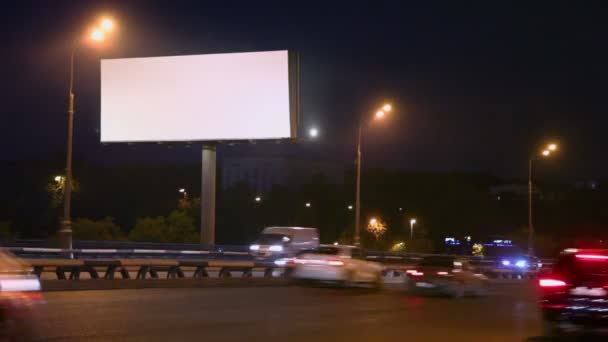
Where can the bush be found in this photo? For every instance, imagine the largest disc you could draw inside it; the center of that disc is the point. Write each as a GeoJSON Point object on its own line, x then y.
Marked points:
{"type": "Point", "coordinates": [177, 227]}
{"type": "Point", "coordinates": [88, 229]}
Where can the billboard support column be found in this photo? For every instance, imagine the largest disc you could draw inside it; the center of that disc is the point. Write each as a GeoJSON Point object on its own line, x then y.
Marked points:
{"type": "Point", "coordinates": [208, 195]}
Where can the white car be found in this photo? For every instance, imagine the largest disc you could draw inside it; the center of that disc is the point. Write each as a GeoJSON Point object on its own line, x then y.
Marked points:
{"type": "Point", "coordinates": [338, 264]}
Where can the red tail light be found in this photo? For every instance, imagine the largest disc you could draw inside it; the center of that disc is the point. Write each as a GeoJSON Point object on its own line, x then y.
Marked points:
{"type": "Point", "coordinates": [551, 283]}
{"type": "Point", "coordinates": [443, 273]}
{"type": "Point", "coordinates": [591, 257]}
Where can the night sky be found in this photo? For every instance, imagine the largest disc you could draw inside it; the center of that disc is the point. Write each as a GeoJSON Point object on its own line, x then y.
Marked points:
{"type": "Point", "coordinates": [476, 87]}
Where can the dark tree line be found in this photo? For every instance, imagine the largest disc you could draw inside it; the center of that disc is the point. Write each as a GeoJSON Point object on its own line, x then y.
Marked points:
{"type": "Point", "coordinates": [142, 203]}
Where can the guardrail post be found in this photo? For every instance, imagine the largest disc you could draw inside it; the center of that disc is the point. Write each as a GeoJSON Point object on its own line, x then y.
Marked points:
{"type": "Point", "coordinates": [75, 273]}
{"type": "Point", "coordinates": [141, 273]}
{"type": "Point", "coordinates": [92, 272]}
{"type": "Point", "coordinates": [124, 273]}
{"type": "Point", "coordinates": [225, 273]}
{"type": "Point", "coordinates": [38, 271]}
{"type": "Point", "coordinates": [200, 272]}
{"type": "Point", "coordinates": [110, 272]}
{"type": "Point", "coordinates": [60, 273]}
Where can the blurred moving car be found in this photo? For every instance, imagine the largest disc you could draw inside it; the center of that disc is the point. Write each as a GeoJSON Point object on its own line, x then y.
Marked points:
{"type": "Point", "coordinates": [283, 242]}
{"type": "Point", "coordinates": [522, 263]}
{"type": "Point", "coordinates": [19, 294]}
{"type": "Point", "coordinates": [574, 294]}
{"type": "Point", "coordinates": [446, 275]}
{"type": "Point", "coordinates": [338, 264]}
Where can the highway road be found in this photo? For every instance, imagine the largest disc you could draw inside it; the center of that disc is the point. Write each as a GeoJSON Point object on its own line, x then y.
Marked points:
{"type": "Point", "coordinates": [287, 313]}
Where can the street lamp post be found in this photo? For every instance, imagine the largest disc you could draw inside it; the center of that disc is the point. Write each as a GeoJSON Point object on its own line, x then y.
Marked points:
{"type": "Point", "coordinates": [545, 153]}
{"type": "Point", "coordinates": [379, 115]}
{"type": "Point", "coordinates": [412, 223]}
{"type": "Point", "coordinates": [65, 232]}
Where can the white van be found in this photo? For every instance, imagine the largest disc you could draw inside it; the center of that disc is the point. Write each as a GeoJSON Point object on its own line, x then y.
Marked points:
{"type": "Point", "coordinates": [280, 242]}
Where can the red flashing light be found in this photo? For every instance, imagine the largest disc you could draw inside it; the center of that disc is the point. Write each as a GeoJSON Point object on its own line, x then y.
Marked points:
{"type": "Point", "coordinates": [551, 283]}
{"type": "Point", "coordinates": [591, 257]}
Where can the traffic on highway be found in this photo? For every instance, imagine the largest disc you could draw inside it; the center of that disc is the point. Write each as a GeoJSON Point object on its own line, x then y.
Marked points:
{"type": "Point", "coordinates": [568, 300]}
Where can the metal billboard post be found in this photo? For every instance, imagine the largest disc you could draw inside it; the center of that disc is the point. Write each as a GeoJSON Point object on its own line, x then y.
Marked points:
{"type": "Point", "coordinates": [208, 176]}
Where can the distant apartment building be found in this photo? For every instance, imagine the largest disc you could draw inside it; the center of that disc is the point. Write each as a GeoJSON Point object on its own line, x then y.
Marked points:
{"type": "Point", "coordinates": [263, 173]}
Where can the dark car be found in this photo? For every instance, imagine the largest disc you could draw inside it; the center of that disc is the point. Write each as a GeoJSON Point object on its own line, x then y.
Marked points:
{"type": "Point", "coordinates": [574, 295]}
{"type": "Point", "coordinates": [445, 275]}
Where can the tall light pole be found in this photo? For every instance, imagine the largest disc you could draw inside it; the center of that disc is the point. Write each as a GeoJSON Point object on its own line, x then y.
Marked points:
{"type": "Point", "coordinates": [545, 153]}
{"type": "Point", "coordinates": [183, 192]}
{"type": "Point", "coordinates": [378, 116]}
{"type": "Point", "coordinates": [412, 223]}
{"type": "Point", "coordinates": [65, 233]}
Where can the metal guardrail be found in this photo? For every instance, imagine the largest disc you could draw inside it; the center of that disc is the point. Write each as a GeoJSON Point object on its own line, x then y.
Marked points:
{"type": "Point", "coordinates": [96, 259]}
{"type": "Point", "coordinates": [148, 265]}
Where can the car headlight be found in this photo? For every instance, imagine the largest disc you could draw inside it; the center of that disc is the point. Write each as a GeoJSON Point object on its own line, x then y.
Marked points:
{"type": "Point", "coordinates": [13, 285]}
{"type": "Point", "coordinates": [521, 263]}
{"type": "Point", "coordinates": [254, 247]}
{"type": "Point", "coordinates": [276, 248]}
{"type": "Point", "coordinates": [506, 263]}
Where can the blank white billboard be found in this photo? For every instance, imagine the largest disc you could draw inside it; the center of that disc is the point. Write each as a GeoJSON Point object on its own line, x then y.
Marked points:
{"type": "Point", "coordinates": [234, 96]}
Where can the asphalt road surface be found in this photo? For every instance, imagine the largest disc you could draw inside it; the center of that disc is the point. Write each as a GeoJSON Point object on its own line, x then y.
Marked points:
{"type": "Point", "coordinates": [291, 313]}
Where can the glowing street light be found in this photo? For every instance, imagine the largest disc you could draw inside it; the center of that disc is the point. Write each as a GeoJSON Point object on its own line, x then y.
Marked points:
{"type": "Point", "coordinates": [107, 24]}
{"type": "Point", "coordinates": [58, 179]}
{"type": "Point", "coordinates": [97, 35]}
{"type": "Point", "coordinates": [373, 221]}
{"type": "Point", "coordinates": [379, 115]}
{"type": "Point", "coordinates": [313, 132]}
{"type": "Point", "coordinates": [412, 223]}
{"type": "Point", "coordinates": [552, 147]}
{"type": "Point", "coordinates": [183, 192]}
{"type": "Point", "coordinates": [65, 233]}
{"type": "Point", "coordinates": [307, 204]}
{"type": "Point", "coordinates": [258, 199]}
{"type": "Point", "coordinates": [350, 207]}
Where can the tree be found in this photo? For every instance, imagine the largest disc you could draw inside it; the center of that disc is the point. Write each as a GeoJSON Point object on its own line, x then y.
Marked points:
{"type": "Point", "coordinates": [148, 229]}
{"type": "Point", "coordinates": [177, 227]}
{"type": "Point", "coordinates": [104, 229]}
{"type": "Point", "coordinates": [376, 227]}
